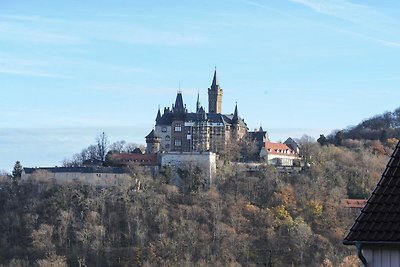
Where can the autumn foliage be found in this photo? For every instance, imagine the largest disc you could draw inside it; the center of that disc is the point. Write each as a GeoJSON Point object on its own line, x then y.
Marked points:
{"type": "Point", "coordinates": [245, 219]}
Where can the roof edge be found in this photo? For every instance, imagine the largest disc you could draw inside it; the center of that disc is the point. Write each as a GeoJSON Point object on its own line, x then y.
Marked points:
{"type": "Point", "coordinates": [347, 242]}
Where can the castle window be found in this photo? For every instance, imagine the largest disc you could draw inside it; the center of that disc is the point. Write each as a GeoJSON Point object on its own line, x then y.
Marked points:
{"type": "Point", "coordinates": [167, 138]}
{"type": "Point", "coordinates": [178, 142]}
{"type": "Point", "coordinates": [164, 129]}
{"type": "Point", "coordinates": [178, 127]}
{"type": "Point", "coordinates": [167, 146]}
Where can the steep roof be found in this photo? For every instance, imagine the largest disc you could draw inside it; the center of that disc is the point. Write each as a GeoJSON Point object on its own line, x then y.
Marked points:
{"type": "Point", "coordinates": [278, 149]}
{"type": "Point", "coordinates": [215, 80]}
{"type": "Point", "coordinates": [158, 118]}
{"type": "Point", "coordinates": [259, 136]}
{"type": "Point", "coordinates": [152, 135]}
{"type": "Point", "coordinates": [379, 221]}
{"type": "Point", "coordinates": [143, 159]}
{"type": "Point", "coordinates": [179, 107]}
{"type": "Point", "coordinates": [235, 118]}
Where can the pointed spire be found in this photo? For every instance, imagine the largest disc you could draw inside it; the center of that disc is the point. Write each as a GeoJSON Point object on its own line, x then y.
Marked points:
{"type": "Point", "coordinates": [198, 101]}
{"type": "Point", "coordinates": [215, 79]}
{"type": "Point", "coordinates": [261, 129]}
{"type": "Point", "coordinates": [158, 118]}
{"type": "Point", "coordinates": [235, 118]}
{"type": "Point", "coordinates": [179, 107]}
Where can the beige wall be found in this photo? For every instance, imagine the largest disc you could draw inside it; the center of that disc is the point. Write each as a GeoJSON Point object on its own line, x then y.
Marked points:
{"type": "Point", "coordinates": [205, 160]}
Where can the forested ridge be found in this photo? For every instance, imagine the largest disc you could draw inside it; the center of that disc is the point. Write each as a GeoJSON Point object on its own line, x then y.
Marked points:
{"type": "Point", "coordinates": [384, 127]}
{"type": "Point", "coordinates": [245, 219]}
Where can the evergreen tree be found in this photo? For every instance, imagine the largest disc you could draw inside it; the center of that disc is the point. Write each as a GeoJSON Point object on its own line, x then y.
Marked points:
{"type": "Point", "coordinates": [17, 171]}
{"type": "Point", "coordinates": [322, 140]}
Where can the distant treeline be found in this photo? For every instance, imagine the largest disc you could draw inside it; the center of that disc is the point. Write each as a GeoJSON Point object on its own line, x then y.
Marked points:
{"type": "Point", "coordinates": [384, 129]}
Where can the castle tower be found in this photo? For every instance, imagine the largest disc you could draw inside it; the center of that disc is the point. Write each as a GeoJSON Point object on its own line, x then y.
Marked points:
{"type": "Point", "coordinates": [215, 96]}
{"type": "Point", "coordinates": [153, 142]}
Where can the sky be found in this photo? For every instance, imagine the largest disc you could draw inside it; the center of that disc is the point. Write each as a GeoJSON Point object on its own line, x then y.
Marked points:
{"type": "Point", "coordinates": [70, 70]}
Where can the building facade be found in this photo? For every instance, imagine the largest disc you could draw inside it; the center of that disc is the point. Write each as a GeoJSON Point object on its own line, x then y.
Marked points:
{"type": "Point", "coordinates": [99, 176]}
{"type": "Point", "coordinates": [206, 161]}
{"type": "Point", "coordinates": [183, 131]}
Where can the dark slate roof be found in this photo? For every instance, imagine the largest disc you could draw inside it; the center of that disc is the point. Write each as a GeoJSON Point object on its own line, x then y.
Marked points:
{"type": "Point", "coordinates": [158, 115]}
{"type": "Point", "coordinates": [170, 115]}
{"type": "Point", "coordinates": [179, 107]}
{"type": "Point", "coordinates": [228, 119]}
{"type": "Point", "coordinates": [152, 135]}
{"type": "Point", "coordinates": [379, 221]}
{"type": "Point", "coordinates": [215, 80]}
{"type": "Point", "coordinates": [92, 162]}
{"type": "Point", "coordinates": [196, 117]}
{"type": "Point", "coordinates": [79, 169]}
{"type": "Point", "coordinates": [150, 159]}
{"type": "Point", "coordinates": [138, 150]}
{"type": "Point", "coordinates": [259, 136]}
{"type": "Point", "coordinates": [166, 118]}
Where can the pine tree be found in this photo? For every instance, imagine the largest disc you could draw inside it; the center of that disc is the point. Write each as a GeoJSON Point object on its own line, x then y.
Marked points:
{"type": "Point", "coordinates": [17, 171]}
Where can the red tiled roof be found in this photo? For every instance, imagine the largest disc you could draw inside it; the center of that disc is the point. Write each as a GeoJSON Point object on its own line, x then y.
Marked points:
{"type": "Point", "coordinates": [353, 203]}
{"type": "Point", "coordinates": [278, 149]}
{"type": "Point", "coordinates": [379, 220]}
{"type": "Point", "coordinates": [143, 159]}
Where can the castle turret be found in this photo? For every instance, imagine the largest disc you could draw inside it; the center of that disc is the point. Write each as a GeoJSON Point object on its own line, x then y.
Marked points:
{"type": "Point", "coordinates": [153, 142]}
{"type": "Point", "coordinates": [158, 118]}
{"type": "Point", "coordinates": [235, 118]}
{"type": "Point", "coordinates": [179, 107]}
{"type": "Point", "coordinates": [215, 96]}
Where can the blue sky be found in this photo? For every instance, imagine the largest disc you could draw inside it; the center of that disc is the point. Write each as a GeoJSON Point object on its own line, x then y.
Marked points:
{"type": "Point", "coordinates": [72, 69]}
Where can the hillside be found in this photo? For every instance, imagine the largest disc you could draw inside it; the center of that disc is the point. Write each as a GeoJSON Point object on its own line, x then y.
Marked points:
{"type": "Point", "coordinates": [244, 220]}
{"type": "Point", "coordinates": [382, 127]}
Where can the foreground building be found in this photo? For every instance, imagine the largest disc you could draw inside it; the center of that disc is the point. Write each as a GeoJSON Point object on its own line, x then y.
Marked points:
{"type": "Point", "coordinates": [376, 231]}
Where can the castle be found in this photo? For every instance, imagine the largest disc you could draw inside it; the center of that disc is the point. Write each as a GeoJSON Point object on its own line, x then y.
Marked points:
{"type": "Point", "coordinates": [179, 130]}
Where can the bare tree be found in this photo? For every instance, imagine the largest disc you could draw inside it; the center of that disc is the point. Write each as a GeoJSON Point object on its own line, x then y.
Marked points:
{"type": "Point", "coordinates": [118, 146]}
{"type": "Point", "coordinates": [102, 144]}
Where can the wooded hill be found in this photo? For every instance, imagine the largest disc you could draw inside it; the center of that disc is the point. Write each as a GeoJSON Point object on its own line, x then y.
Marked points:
{"type": "Point", "coordinates": [246, 219]}
{"type": "Point", "coordinates": [384, 127]}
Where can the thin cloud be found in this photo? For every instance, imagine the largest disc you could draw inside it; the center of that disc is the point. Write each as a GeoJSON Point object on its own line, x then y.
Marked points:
{"type": "Point", "coordinates": [86, 31]}
{"type": "Point", "coordinates": [132, 89]}
{"type": "Point", "coordinates": [33, 73]}
{"type": "Point", "coordinates": [384, 42]}
{"type": "Point", "coordinates": [355, 13]}
{"type": "Point", "coordinates": [342, 9]}
{"type": "Point", "coordinates": [27, 33]}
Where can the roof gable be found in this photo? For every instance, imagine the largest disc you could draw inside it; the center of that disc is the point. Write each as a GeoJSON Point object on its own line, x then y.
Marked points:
{"type": "Point", "coordinates": [278, 148]}
{"type": "Point", "coordinates": [379, 221]}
